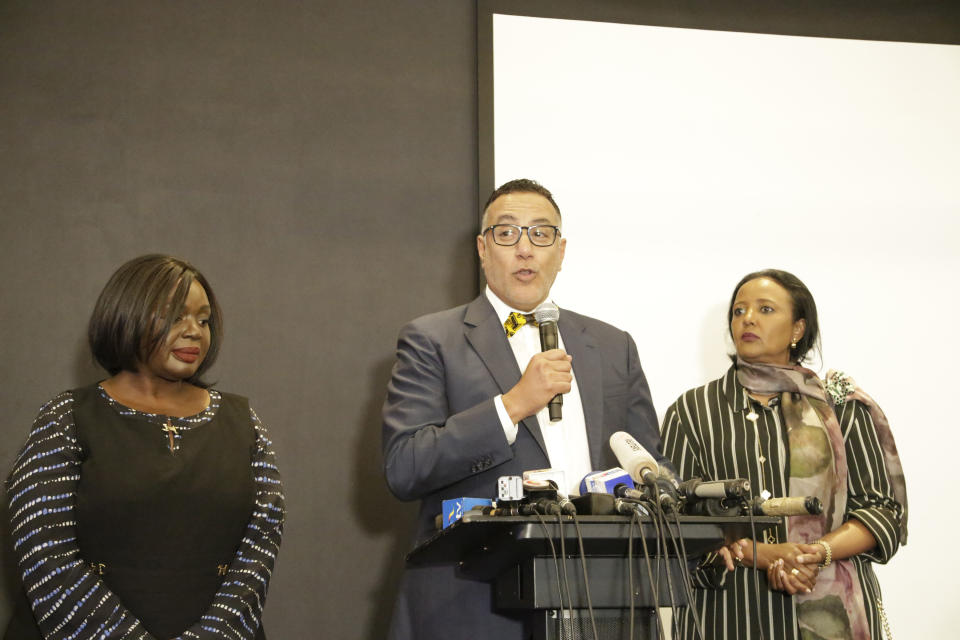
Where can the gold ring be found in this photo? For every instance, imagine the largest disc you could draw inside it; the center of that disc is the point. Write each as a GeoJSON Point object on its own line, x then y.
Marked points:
{"type": "Point", "coordinates": [795, 571]}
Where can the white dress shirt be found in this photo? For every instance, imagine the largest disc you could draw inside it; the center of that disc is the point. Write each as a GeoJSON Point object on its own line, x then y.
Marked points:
{"type": "Point", "coordinates": [565, 439]}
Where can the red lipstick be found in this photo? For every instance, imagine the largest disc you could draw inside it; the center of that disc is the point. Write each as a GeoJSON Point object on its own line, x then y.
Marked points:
{"type": "Point", "coordinates": [187, 354]}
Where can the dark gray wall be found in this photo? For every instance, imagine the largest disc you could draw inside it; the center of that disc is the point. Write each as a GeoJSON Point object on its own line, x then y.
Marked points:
{"type": "Point", "coordinates": [317, 161]}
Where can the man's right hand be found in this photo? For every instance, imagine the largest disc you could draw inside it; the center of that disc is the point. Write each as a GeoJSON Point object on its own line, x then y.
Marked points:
{"type": "Point", "coordinates": [548, 374]}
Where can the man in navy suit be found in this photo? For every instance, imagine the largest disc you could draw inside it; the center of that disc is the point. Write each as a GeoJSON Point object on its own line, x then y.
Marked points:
{"type": "Point", "coordinates": [467, 404]}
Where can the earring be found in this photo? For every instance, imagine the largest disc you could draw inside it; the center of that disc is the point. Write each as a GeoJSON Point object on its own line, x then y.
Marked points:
{"type": "Point", "coordinates": [793, 345]}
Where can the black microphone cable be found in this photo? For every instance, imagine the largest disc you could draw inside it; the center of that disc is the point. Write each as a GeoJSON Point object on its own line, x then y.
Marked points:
{"type": "Point", "coordinates": [586, 580]}
{"type": "Point", "coordinates": [634, 521]}
{"type": "Point", "coordinates": [650, 498]}
{"type": "Point", "coordinates": [688, 587]}
{"type": "Point", "coordinates": [664, 531]}
{"type": "Point", "coordinates": [654, 581]}
{"type": "Point", "coordinates": [556, 564]}
{"type": "Point", "coordinates": [657, 515]}
{"type": "Point", "coordinates": [566, 575]}
{"type": "Point", "coordinates": [756, 571]}
{"type": "Point", "coordinates": [662, 558]}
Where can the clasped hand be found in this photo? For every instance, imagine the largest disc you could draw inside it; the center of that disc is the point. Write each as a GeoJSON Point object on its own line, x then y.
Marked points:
{"type": "Point", "coordinates": [547, 374]}
{"type": "Point", "coordinates": [790, 567]}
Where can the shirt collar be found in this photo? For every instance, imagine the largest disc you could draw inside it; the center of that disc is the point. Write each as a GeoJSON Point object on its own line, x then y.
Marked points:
{"type": "Point", "coordinates": [501, 308]}
{"type": "Point", "coordinates": [735, 392]}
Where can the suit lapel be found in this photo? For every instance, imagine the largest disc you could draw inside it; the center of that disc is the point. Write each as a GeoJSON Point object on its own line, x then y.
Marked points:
{"type": "Point", "coordinates": [484, 331]}
{"type": "Point", "coordinates": [587, 367]}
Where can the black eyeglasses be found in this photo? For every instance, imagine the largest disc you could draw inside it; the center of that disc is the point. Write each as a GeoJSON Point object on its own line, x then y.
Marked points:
{"type": "Point", "coordinates": [540, 235]}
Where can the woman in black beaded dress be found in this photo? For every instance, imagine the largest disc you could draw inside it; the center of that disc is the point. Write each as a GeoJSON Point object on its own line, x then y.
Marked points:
{"type": "Point", "coordinates": [148, 505]}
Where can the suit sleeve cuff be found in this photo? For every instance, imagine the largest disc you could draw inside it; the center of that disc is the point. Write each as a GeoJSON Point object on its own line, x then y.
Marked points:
{"type": "Point", "coordinates": [509, 429]}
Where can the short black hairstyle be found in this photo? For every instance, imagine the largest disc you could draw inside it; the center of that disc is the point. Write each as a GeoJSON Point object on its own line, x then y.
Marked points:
{"type": "Point", "coordinates": [804, 308]}
{"type": "Point", "coordinates": [137, 308]}
{"type": "Point", "coordinates": [520, 185]}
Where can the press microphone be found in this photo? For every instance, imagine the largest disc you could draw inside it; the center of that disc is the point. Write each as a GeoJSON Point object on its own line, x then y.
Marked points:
{"type": "Point", "coordinates": [541, 494]}
{"type": "Point", "coordinates": [566, 505]}
{"type": "Point", "coordinates": [721, 489]}
{"type": "Point", "coordinates": [624, 491]}
{"type": "Point", "coordinates": [644, 469]}
{"type": "Point", "coordinates": [634, 459]}
{"type": "Point", "coordinates": [664, 494]}
{"type": "Point", "coordinates": [604, 481]}
{"type": "Point", "coordinates": [546, 493]}
{"type": "Point", "coordinates": [715, 507]}
{"type": "Point", "coordinates": [795, 506]}
{"type": "Point", "coordinates": [668, 497]}
{"type": "Point", "coordinates": [544, 506]}
{"type": "Point", "coordinates": [546, 316]}
{"type": "Point", "coordinates": [628, 507]}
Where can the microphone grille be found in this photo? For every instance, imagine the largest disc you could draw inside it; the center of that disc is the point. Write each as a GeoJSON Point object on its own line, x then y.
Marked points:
{"type": "Point", "coordinates": [547, 312]}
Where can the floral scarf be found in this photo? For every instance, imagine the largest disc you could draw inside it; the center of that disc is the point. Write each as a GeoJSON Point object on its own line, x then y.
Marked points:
{"type": "Point", "coordinates": [818, 466]}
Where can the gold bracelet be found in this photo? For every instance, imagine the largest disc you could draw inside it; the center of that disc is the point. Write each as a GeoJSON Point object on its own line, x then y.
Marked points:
{"type": "Point", "coordinates": [828, 552]}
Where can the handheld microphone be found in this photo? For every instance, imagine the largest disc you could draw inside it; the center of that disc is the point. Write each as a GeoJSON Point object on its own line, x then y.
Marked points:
{"type": "Point", "coordinates": [634, 459]}
{"type": "Point", "coordinates": [547, 315]}
{"type": "Point", "coordinates": [795, 506]}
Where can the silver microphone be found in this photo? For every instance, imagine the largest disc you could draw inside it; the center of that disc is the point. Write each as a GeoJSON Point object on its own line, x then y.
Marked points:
{"type": "Point", "coordinates": [547, 315]}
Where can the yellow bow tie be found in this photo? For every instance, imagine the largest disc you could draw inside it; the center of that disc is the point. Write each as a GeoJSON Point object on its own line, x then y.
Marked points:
{"type": "Point", "coordinates": [516, 320]}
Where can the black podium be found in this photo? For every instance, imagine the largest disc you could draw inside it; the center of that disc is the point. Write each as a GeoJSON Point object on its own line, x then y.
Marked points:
{"type": "Point", "coordinates": [513, 553]}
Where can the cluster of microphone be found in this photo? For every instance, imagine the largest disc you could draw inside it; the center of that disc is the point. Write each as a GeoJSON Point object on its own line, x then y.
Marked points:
{"type": "Point", "coordinates": [535, 497]}
{"type": "Point", "coordinates": [695, 496]}
{"type": "Point", "coordinates": [637, 486]}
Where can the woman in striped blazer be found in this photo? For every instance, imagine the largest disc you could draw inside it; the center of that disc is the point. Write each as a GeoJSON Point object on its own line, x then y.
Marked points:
{"type": "Point", "coordinates": [773, 422]}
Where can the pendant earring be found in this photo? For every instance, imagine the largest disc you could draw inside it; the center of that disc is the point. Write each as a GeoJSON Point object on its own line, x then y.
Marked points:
{"type": "Point", "coordinates": [793, 345]}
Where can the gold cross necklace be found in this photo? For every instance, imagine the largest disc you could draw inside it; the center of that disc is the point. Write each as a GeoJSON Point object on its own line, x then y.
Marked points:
{"type": "Point", "coordinates": [170, 431]}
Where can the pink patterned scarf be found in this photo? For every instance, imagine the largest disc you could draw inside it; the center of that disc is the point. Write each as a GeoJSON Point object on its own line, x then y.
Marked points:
{"type": "Point", "coordinates": [818, 466]}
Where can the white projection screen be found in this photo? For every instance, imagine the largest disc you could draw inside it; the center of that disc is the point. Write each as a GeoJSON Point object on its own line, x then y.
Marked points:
{"type": "Point", "coordinates": [683, 159]}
